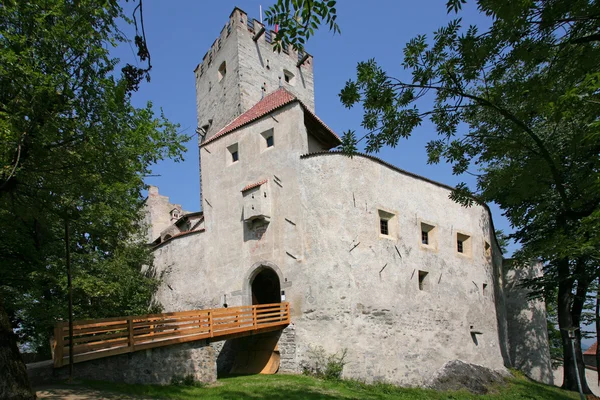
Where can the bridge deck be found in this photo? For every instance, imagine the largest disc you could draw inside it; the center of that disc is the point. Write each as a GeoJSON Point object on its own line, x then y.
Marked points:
{"type": "Point", "coordinates": [99, 338]}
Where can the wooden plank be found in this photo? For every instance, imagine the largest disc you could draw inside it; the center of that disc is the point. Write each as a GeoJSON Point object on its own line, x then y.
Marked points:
{"type": "Point", "coordinates": [168, 342]}
{"type": "Point", "coordinates": [58, 347]}
{"type": "Point", "coordinates": [170, 321]}
{"type": "Point", "coordinates": [145, 338]}
{"type": "Point", "coordinates": [172, 326]}
{"type": "Point", "coordinates": [86, 348]}
{"type": "Point", "coordinates": [270, 314]}
{"type": "Point", "coordinates": [91, 330]}
{"type": "Point", "coordinates": [95, 338]}
{"type": "Point", "coordinates": [220, 327]}
{"type": "Point", "coordinates": [100, 354]}
{"type": "Point", "coordinates": [264, 320]}
{"type": "Point", "coordinates": [233, 313]}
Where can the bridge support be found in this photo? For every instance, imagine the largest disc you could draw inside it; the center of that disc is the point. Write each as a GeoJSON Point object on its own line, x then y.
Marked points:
{"type": "Point", "coordinates": [159, 365]}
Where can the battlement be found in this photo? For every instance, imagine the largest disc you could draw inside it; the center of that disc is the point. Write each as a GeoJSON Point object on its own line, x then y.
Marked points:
{"type": "Point", "coordinates": [256, 29]}
{"type": "Point", "coordinates": [241, 68]}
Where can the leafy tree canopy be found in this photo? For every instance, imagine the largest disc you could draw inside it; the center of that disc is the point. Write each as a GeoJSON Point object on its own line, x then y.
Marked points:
{"type": "Point", "coordinates": [73, 149]}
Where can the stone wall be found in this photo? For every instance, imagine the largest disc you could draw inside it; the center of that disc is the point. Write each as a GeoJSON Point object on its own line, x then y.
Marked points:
{"type": "Point", "coordinates": [155, 366]}
{"type": "Point", "coordinates": [527, 328]}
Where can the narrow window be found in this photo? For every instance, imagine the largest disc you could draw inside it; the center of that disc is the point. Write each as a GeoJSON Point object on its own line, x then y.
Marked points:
{"type": "Point", "coordinates": [463, 244]}
{"type": "Point", "coordinates": [269, 139]}
{"type": "Point", "coordinates": [487, 250]}
{"type": "Point", "coordinates": [289, 77]}
{"type": "Point", "coordinates": [428, 235]}
{"type": "Point", "coordinates": [423, 280]}
{"type": "Point", "coordinates": [234, 153]}
{"type": "Point", "coordinates": [383, 226]}
{"type": "Point", "coordinates": [222, 71]}
{"type": "Point", "coordinates": [484, 289]}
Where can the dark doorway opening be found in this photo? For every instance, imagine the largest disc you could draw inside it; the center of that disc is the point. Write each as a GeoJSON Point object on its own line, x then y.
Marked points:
{"type": "Point", "coordinates": [265, 287]}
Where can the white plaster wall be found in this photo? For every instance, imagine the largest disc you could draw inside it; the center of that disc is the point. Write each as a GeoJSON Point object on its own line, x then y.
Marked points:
{"type": "Point", "coordinates": [341, 298]}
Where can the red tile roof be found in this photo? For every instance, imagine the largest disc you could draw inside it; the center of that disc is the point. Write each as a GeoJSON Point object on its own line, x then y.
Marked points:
{"type": "Point", "coordinates": [253, 185]}
{"type": "Point", "coordinates": [592, 350]}
{"type": "Point", "coordinates": [270, 103]}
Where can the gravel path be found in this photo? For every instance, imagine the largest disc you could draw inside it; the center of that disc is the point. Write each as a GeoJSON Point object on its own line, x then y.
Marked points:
{"type": "Point", "coordinates": [67, 392]}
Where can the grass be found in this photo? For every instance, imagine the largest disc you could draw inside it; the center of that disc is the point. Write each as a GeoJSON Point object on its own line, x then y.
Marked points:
{"type": "Point", "coordinates": [296, 387]}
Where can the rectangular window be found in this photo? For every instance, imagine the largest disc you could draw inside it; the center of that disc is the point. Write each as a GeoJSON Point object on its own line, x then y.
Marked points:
{"type": "Point", "coordinates": [424, 237]}
{"type": "Point", "coordinates": [270, 141]}
{"type": "Point", "coordinates": [383, 226]}
{"type": "Point", "coordinates": [463, 244]}
{"type": "Point", "coordinates": [428, 236]}
{"type": "Point", "coordinates": [269, 137]}
{"type": "Point", "coordinates": [423, 280]}
{"type": "Point", "coordinates": [484, 289]}
{"type": "Point", "coordinates": [233, 152]}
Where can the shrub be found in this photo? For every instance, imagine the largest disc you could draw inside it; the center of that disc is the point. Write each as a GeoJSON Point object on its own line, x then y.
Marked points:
{"type": "Point", "coordinates": [323, 365]}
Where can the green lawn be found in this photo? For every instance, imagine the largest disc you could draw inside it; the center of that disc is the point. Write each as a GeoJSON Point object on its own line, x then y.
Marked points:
{"type": "Point", "coordinates": [295, 387]}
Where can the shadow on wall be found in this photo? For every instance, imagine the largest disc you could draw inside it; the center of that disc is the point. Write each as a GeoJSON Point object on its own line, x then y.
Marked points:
{"type": "Point", "coordinates": [527, 330]}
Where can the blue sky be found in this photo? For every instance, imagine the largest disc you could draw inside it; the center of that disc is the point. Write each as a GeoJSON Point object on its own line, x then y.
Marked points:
{"type": "Point", "coordinates": [180, 32]}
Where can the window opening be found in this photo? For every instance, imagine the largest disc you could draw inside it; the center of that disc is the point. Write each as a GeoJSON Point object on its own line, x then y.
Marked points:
{"type": "Point", "coordinates": [423, 280]}
{"type": "Point", "coordinates": [463, 244]}
{"type": "Point", "coordinates": [222, 71]}
{"type": "Point", "coordinates": [383, 226]}
{"type": "Point", "coordinates": [460, 245]}
{"type": "Point", "coordinates": [487, 249]}
{"type": "Point", "coordinates": [289, 77]}
{"type": "Point", "coordinates": [270, 141]}
{"type": "Point", "coordinates": [484, 288]}
{"type": "Point", "coordinates": [424, 237]}
{"type": "Point", "coordinates": [234, 153]}
{"type": "Point", "coordinates": [234, 156]}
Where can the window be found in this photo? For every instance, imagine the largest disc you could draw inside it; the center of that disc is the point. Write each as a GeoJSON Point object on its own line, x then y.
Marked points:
{"type": "Point", "coordinates": [234, 154]}
{"type": "Point", "coordinates": [463, 244]}
{"type": "Point", "coordinates": [269, 139]}
{"type": "Point", "coordinates": [487, 250]}
{"type": "Point", "coordinates": [484, 286]}
{"type": "Point", "coordinates": [383, 226]}
{"type": "Point", "coordinates": [289, 77]}
{"type": "Point", "coordinates": [428, 235]}
{"type": "Point", "coordinates": [222, 71]}
{"type": "Point", "coordinates": [387, 224]}
{"type": "Point", "coordinates": [423, 280]}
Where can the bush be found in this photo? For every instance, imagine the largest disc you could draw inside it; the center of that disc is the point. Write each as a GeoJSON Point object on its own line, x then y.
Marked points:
{"type": "Point", "coordinates": [323, 365]}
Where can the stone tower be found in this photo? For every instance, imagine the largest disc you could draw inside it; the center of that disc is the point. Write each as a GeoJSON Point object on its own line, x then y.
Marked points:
{"type": "Point", "coordinates": [240, 68]}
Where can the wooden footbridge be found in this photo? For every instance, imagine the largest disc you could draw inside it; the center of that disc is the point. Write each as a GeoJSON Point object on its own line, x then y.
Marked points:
{"type": "Point", "coordinates": [100, 338]}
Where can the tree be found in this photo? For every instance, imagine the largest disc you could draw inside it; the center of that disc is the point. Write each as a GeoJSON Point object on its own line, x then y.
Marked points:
{"type": "Point", "coordinates": [73, 151]}
{"type": "Point", "coordinates": [518, 104]}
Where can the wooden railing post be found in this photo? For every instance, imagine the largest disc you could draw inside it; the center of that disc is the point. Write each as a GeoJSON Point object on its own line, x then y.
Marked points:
{"type": "Point", "coordinates": [254, 318]}
{"type": "Point", "coordinates": [287, 310]}
{"type": "Point", "coordinates": [210, 324]}
{"type": "Point", "coordinates": [59, 345]}
{"type": "Point", "coordinates": [130, 332]}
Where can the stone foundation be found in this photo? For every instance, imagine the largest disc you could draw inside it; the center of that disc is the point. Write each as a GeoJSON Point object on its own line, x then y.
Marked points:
{"type": "Point", "coordinates": [156, 366]}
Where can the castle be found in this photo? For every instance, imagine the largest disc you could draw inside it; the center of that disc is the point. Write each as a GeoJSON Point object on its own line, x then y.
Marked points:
{"type": "Point", "coordinates": [371, 258]}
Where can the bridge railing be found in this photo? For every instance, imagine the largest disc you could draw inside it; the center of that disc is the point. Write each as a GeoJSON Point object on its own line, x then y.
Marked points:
{"type": "Point", "coordinates": [99, 338]}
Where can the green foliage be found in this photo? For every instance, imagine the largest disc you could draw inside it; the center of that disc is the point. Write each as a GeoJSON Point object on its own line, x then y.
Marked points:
{"type": "Point", "coordinates": [299, 19]}
{"type": "Point", "coordinates": [72, 149]}
{"type": "Point", "coordinates": [323, 365]}
{"type": "Point", "coordinates": [187, 380]}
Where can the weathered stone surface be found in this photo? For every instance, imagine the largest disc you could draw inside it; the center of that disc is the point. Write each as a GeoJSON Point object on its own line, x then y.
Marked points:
{"type": "Point", "coordinates": [156, 366]}
{"type": "Point", "coordinates": [456, 375]}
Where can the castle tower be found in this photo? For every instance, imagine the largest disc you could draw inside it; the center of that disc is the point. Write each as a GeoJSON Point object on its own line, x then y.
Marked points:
{"type": "Point", "coordinates": [241, 68]}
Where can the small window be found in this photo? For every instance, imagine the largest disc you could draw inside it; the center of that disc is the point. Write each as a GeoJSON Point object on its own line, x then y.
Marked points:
{"type": "Point", "coordinates": [484, 290]}
{"type": "Point", "coordinates": [289, 77]}
{"type": "Point", "coordinates": [428, 235]}
{"type": "Point", "coordinates": [423, 280]}
{"type": "Point", "coordinates": [383, 226]}
{"type": "Point", "coordinates": [269, 139]}
{"type": "Point", "coordinates": [387, 224]}
{"type": "Point", "coordinates": [234, 154]}
{"type": "Point", "coordinates": [463, 244]}
{"type": "Point", "coordinates": [222, 71]}
{"type": "Point", "coordinates": [487, 249]}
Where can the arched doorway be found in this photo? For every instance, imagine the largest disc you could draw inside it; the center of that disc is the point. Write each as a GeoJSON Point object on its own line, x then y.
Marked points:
{"type": "Point", "coordinates": [259, 354]}
{"type": "Point", "coordinates": [265, 287]}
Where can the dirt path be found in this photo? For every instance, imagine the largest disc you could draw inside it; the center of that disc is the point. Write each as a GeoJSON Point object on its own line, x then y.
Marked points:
{"type": "Point", "coordinates": [56, 392]}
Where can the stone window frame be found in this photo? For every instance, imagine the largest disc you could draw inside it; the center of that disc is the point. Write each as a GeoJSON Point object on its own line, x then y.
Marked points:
{"type": "Point", "coordinates": [391, 216]}
{"type": "Point", "coordinates": [432, 235]}
{"type": "Point", "coordinates": [289, 77]}
{"type": "Point", "coordinates": [466, 243]}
